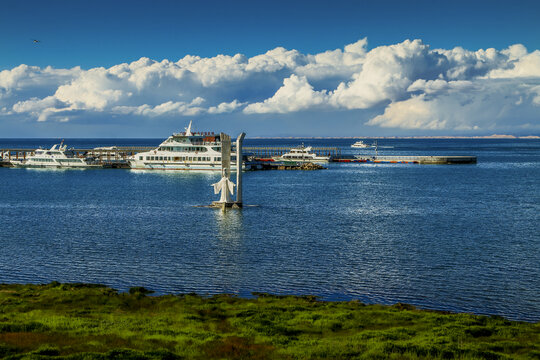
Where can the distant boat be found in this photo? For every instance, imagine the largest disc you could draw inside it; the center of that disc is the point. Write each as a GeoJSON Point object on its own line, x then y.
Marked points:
{"type": "Point", "coordinates": [361, 145]}
{"type": "Point", "coordinates": [302, 154]}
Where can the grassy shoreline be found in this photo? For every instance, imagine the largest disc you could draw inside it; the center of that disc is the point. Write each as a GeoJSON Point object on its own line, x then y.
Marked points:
{"type": "Point", "coordinates": [85, 321]}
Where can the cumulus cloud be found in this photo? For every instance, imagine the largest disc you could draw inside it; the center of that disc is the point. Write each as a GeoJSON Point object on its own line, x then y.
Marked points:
{"type": "Point", "coordinates": [461, 106]}
{"type": "Point", "coordinates": [410, 85]}
{"type": "Point", "coordinates": [386, 74]}
{"type": "Point", "coordinates": [225, 107]}
{"type": "Point", "coordinates": [413, 113]}
{"type": "Point", "coordinates": [295, 94]}
{"type": "Point", "coordinates": [527, 65]}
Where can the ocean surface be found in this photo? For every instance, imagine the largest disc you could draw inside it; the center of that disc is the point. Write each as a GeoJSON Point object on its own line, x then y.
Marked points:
{"type": "Point", "coordinates": [451, 237]}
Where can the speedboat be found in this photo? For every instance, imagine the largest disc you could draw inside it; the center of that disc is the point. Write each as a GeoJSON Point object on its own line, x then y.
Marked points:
{"type": "Point", "coordinates": [189, 150]}
{"type": "Point", "coordinates": [302, 154]}
{"type": "Point", "coordinates": [58, 156]}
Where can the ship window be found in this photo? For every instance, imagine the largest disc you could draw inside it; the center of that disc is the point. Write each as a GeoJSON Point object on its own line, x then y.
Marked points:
{"type": "Point", "coordinates": [216, 148]}
{"type": "Point", "coordinates": [218, 159]}
{"type": "Point", "coordinates": [190, 158]}
{"type": "Point", "coordinates": [140, 157]}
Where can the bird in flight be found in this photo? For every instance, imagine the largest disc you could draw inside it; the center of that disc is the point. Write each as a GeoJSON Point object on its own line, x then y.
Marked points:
{"type": "Point", "coordinates": [36, 41]}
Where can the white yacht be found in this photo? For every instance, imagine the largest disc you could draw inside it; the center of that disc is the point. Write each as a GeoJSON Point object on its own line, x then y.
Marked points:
{"type": "Point", "coordinates": [302, 154]}
{"type": "Point", "coordinates": [58, 156]}
{"type": "Point", "coordinates": [188, 150]}
{"type": "Point", "coordinates": [361, 145]}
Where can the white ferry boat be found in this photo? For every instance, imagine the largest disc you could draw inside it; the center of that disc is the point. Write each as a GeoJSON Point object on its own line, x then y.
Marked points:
{"type": "Point", "coordinates": [302, 154]}
{"type": "Point", "coordinates": [361, 145]}
{"type": "Point", "coordinates": [188, 150]}
{"type": "Point", "coordinates": [58, 156]}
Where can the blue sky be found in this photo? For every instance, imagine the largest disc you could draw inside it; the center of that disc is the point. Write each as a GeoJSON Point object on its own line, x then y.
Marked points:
{"type": "Point", "coordinates": [303, 89]}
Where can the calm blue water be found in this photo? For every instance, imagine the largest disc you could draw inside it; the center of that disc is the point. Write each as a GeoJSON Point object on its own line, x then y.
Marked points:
{"type": "Point", "coordinates": [460, 238]}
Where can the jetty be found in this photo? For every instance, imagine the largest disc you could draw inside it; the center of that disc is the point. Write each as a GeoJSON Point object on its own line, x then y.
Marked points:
{"type": "Point", "coordinates": [259, 157]}
{"type": "Point", "coordinates": [426, 160]}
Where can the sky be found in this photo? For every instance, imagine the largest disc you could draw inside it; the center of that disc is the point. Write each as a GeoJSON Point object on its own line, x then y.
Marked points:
{"type": "Point", "coordinates": [270, 68]}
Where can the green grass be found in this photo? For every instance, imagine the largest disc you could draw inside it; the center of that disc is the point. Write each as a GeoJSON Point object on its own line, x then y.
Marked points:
{"type": "Point", "coordinates": [81, 321]}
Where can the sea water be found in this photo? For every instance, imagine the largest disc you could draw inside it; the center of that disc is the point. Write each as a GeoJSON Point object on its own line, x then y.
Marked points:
{"type": "Point", "coordinates": [450, 237]}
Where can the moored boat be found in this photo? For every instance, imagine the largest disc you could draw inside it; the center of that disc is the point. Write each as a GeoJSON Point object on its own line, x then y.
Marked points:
{"type": "Point", "coordinates": [189, 150]}
{"type": "Point", "coordinates": [302, 154]}
{"type": "Point", "coordinates": [58, 156]}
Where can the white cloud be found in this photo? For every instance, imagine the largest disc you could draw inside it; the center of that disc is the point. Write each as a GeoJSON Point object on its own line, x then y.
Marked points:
{"type": "Point", "coordinates": [439, 86]}
{"type": "Point", "coordinates": [169, 107]}
{"type": "Point", "coordinates": [275, 60]}
{"type": "Point", "coordinates": [535, 92]}
{"type": "Point", "coordinates": [225, 107]}
{"type": "Point", "coordinates": [386, 74]}
{"type": "Point", "coordinates": [484, 106]}
{"type": "Point", "coordinates": [295, 94]}
{"type": "Point", "coordinates": [414, 113]}
{"type": "Point", "coordinates": [409, 84]}
{"type": "Point", "coordinates": [526, 65]}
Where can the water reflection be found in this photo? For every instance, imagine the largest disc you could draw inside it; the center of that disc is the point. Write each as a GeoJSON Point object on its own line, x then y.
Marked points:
{"type": "Point", "coordinates": [230, 257]}
{"type": "Point", "coordinates": [230, 225]}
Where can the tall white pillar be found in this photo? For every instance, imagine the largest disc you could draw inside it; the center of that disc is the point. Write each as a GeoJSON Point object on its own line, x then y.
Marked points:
{"type": "Point", "coordinates": [239, 162]}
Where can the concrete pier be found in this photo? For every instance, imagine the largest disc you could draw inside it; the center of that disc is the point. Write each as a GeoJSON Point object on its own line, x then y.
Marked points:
{"type": "Point", "coordinates": [438, 159]}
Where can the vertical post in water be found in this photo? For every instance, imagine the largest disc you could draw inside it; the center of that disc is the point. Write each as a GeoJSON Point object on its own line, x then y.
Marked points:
{"type": "Point", "coordinates": [225, 155]}
{"type": "Point", "coordinates": [239, 162]}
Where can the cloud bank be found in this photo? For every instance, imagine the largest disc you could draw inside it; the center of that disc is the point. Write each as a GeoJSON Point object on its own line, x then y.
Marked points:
{"type": "Point", "coordinates": [409, 85]}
